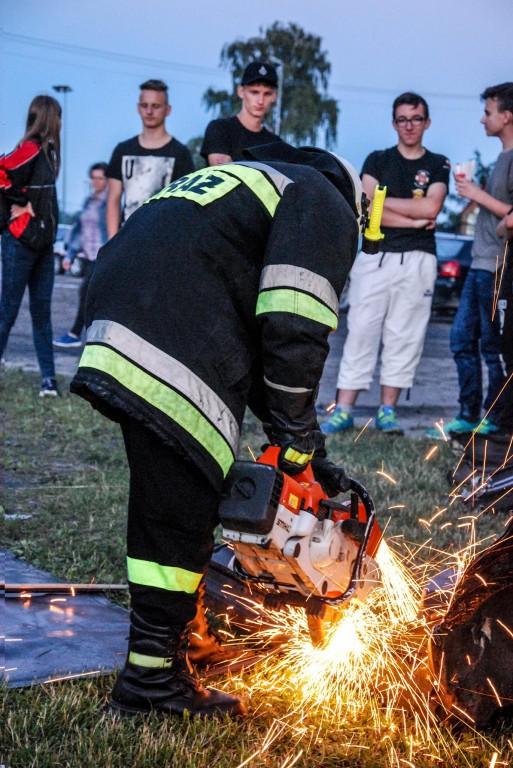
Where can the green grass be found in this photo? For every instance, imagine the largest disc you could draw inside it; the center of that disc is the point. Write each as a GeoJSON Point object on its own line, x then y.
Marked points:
{"type": "Point", "coordinates": [63, 464]}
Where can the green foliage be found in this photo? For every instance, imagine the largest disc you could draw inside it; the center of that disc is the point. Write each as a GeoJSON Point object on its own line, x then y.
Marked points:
{"type": "Point", "coordinates": [307, 112]}
{"type": "Point", "coordinates": [194, 146]}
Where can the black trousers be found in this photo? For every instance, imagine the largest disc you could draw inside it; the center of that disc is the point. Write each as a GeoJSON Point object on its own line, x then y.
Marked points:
{"type": "Point", "coordinates": [172, 515]}
{"type": "Point", "coordinates": [79, 323]}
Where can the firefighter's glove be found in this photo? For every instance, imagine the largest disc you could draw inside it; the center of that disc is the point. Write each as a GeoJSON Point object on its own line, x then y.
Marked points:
{"type": "Point", "coordinates": [295, 455]}
{"type": "Point", "coordinates": [332, 478]}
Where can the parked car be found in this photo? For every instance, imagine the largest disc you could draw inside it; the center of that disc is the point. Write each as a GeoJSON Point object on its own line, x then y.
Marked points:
{"type": "Point", "coordinates": [60, 246]}
{"type": "Point", "coordinates": [454, 257]}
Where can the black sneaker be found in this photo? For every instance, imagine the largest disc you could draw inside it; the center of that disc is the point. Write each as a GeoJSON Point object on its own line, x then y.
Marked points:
{"type": "Point", "coordinates": [49, 388]}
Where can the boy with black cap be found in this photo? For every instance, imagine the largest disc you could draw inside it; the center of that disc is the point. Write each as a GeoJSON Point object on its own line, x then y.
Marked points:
{"type": "Point", "coordinates": [225, 138]}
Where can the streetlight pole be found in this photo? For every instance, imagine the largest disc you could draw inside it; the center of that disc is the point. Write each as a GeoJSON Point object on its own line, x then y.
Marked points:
{"type": "Point", "coordinates": [277, 109]}
{"type": "Point", "coordinates": [65, 89]}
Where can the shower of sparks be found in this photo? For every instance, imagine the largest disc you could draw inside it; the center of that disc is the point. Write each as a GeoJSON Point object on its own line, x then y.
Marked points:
{"type": "Point", "coordinates": [505, 628]}
{"type": "Point", "coordinates": [370, 659]}
{"type": "Point", "coordinates": [381, 472]}
{"type": "Point", "coordinates": [73, 676]}
{"type": "Point", "coordinates": [432, 452]}
{"type": "Point", "coordinates": [360, 433]}
{"type": "Point", "coordinates": [495, 693]}
{"type": "Point", "coordinates": [372, 669]}
{"type": "Point", "coordinates": [439, 425]}
{"type": "Point", "coordinates": [499, 274]}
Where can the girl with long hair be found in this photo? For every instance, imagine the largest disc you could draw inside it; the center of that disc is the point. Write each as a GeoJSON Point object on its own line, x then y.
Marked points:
{"type": "Point", "coordinates": [27, 178]}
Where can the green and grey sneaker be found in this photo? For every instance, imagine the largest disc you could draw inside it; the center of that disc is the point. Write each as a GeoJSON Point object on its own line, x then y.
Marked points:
{"type": "Point", "coordinates": [486, 427]}
{"type": "Point", "coordinates": [386, 421]}
{"type": "Point", "coordinates": [337, 422]}
{"type": "Point", "coordinates": [458, 425]}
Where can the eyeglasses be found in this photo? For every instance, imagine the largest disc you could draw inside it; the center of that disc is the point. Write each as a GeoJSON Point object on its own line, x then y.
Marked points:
{"type": "Point", "coordinates": [97, 178]}
{"type": "Point", "coordinates": [417, 120]}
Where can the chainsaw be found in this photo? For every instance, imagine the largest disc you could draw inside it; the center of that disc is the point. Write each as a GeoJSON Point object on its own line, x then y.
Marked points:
{"type": "Point", "coordinates": [297, 546]}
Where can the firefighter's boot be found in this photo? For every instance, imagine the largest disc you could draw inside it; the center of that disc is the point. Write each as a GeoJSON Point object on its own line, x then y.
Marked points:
{"type": "Point", "coordinates": [158, 677]}
{"type": "Point", "coordinates": [205, 647]}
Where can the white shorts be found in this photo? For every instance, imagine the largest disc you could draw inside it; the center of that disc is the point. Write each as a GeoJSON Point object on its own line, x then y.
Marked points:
{"type": "Point", "coordinates": [390, 297]}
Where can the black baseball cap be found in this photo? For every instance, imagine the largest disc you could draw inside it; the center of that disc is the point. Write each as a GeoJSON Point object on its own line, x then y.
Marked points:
{"type": "Point", "coordinates": [260, 72]}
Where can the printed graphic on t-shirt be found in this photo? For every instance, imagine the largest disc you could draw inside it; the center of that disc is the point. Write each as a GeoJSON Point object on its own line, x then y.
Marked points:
{"type": "Point", "coordinates": [420, 183]}
{"type": "Point", "coordinates": [143, 176]}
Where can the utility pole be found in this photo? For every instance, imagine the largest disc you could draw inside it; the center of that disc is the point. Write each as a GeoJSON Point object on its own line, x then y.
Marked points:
{"type": "Point", "coordinates": [277, 109]}
{"type": "Point", "coordinates": [65, 89]}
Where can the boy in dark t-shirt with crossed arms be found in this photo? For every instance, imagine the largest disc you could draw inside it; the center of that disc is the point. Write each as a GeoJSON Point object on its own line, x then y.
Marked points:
{"type": "Point", "coordinates": [390, 293]}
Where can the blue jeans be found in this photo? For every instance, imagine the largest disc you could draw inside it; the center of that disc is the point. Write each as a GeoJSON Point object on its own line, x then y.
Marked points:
{"type": "Point", "coordinates": [473, 334]}
{"type": "Point", "coordinates": [22, 267]}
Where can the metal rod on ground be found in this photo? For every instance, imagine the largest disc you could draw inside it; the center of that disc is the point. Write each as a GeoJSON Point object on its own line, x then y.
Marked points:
{"type": "Point", "coordinates": [63, 588]}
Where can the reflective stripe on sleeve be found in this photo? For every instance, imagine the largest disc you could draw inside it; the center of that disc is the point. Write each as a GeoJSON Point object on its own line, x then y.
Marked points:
{"type": "Point", "coordinates": [296, 303]}
{"type": "Point", "coordinates": [150, 574]}
{"type": "Point", "coordinates": [165, 383]}
{"type": "Point", "coordinates": [283, 388]}
{"type": "Point", "coordinates": [290, 276]}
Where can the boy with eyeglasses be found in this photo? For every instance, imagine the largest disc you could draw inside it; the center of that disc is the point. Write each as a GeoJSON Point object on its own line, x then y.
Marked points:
{"type": "Point", "coordinates": [390, 293]}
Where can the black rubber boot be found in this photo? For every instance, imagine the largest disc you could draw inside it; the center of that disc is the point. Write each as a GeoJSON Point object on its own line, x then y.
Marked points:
{"type": "Point", "coordinates": [205, 647]}
{"type": "Point", "coordinates": [157, 676]}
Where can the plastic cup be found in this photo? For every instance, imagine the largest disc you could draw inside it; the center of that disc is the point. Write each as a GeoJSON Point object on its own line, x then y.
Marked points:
{"type": "Point", "coordinates": [464, 170]}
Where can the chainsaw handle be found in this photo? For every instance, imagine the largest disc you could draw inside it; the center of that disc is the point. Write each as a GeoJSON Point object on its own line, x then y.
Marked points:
{"type": "Point", "coordinates": [364, 496]}
{"type": "Point", "coordinates": [271, 456]}
{"type": "Point", "coordinates": [370, 512]}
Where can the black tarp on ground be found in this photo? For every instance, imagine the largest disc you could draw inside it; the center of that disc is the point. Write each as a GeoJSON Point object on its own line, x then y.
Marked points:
{"type": "Point", "coordinates": [57, 635]}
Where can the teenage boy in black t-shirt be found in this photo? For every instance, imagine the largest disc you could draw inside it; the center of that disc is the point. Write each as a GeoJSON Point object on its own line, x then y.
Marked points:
{"type": "Point", "coordinates": [144, 164]}
{"type": "Point", "coordinates": [390, 293]}
{"type": "Point", "coordinates": [225, 138]}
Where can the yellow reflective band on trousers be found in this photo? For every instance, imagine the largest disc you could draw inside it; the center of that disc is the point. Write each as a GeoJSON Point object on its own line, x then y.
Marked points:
{"type": "Point", "coordinates": [209, 184]}
{"type": "Point", "coordinates": [167, 400]}
{"type": "Point", "coordinates": [167, 577]}
{"type": "Point", "coordinates": [297, 303]}
{"type": "Point", "coordinates": [153, 662]}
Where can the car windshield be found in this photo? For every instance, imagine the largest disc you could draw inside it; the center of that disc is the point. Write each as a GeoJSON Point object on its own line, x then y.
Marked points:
{"type": "Point", "coordinates": [449, 249]}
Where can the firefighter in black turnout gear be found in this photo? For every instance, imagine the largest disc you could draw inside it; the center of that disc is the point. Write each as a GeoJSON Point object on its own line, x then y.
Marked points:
{"type": "Point", "coordinates": [218, 293]}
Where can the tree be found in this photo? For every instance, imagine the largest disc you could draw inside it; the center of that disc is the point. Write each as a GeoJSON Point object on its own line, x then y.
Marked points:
{"type": "Point", "coordinates": [306, 109]}
{"type": "Point", "coordinates": [194, 146]}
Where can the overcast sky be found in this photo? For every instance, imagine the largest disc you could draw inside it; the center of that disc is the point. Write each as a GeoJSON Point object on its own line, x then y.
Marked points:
{"type": "Point", "coordinates": [447, 50]}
